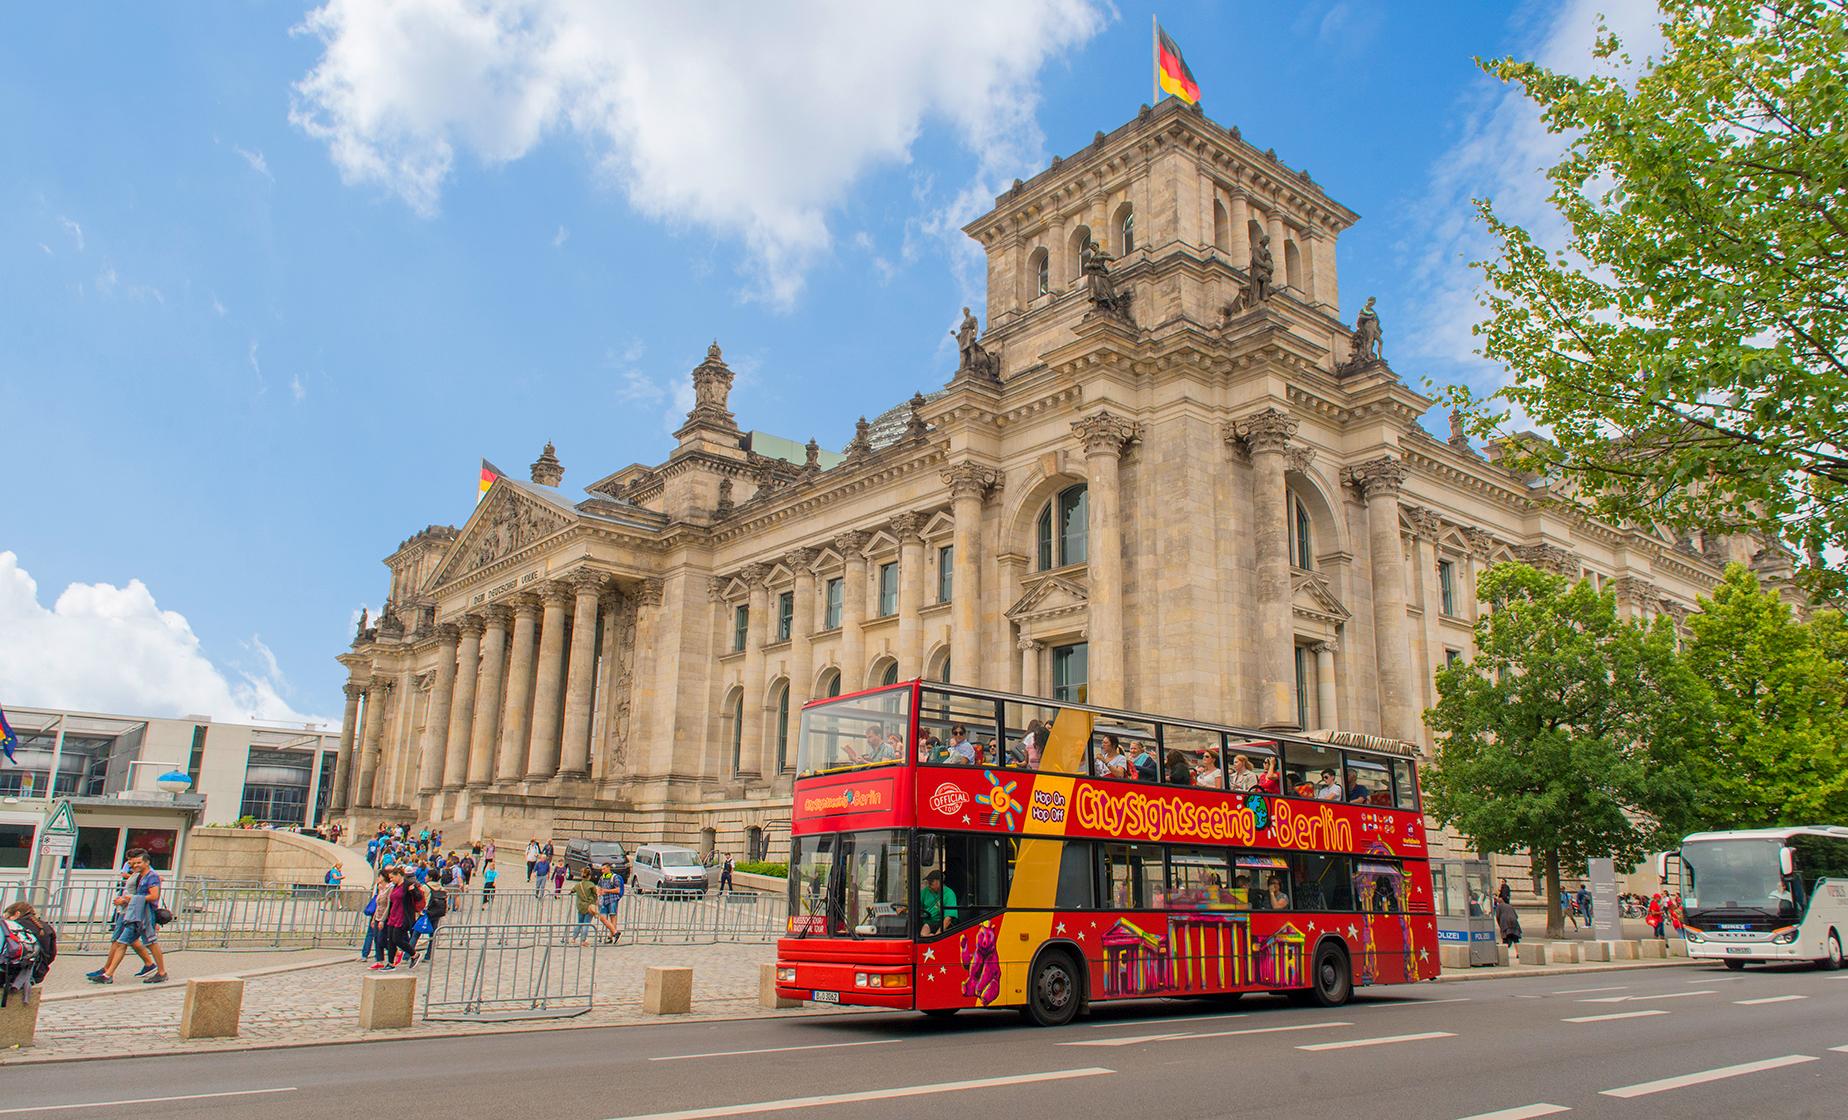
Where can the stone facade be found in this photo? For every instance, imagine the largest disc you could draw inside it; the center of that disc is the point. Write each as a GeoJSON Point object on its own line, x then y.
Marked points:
{"type": "Point", "coordinates": [1167, 448]}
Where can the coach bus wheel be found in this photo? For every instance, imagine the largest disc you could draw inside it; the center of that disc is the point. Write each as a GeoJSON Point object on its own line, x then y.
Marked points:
{"type": "Point", "coordinates": [1736, 966]}
{"type": "Point", "coordinates": [1054, 991]}
{"type": "Point", "coordinates": [1332, 982]}
{"type": "Point", "coordinates": [1834, 959]}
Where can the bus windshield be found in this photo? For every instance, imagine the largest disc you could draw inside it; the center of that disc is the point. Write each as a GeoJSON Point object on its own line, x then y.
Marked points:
{"type": "Point", "coordinates": [1736, 875]}
{"type": "Point", "coordinates": [850, 884]}
{"type": "Point", "coordinates": [870, 729]}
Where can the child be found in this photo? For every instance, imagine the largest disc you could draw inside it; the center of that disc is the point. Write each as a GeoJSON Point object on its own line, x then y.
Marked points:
{"type": "Point", "coordinates": [488, 876]}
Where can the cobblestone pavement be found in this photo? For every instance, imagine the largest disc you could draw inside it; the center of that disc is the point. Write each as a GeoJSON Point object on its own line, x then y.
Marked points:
{"type": "Point", "coordinates": [66, 980]}
{"type": "Point", "coordinates": [321, 1004]}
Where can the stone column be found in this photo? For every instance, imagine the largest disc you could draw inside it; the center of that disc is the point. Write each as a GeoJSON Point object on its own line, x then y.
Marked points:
{"type": "Point", "coordinates": [853, 610]}
{"type": "Point", "coordinates": [801, 641]}
{"type": "Point", "coordinates": [1266, 436]}
{"type": "Point", "coordinates": [517, 705]}
{"type": "Point", "coordinates": [1327, 708]}
{"type": "Point", "coordinates": [342, 793]}
{"type": "Point", "coordinates": [462, 704]}
{"type": "Point", "coordinates": [535, 756]}
{"type": "Point", "coordinates": [1378, 482]}
{"type": "Point", "coordinates": [969, 485]}
{"type": "Point", "coordinates": [436, 723]}
{"type": "Point", "coordinates": [1105, 435]}
{"type": "Point", "coordinates": [648, 727]}
{"type": "Point", "coordinates": [908, 528]}
{"type": "Point", "coordinates": [580, 675]}
{"type": "Point", "coordinates": [488, 698]}
{"type": "Point", "coordinates": [751, 740]}
{"type": "Point", "coordinates": [1425, 526]}
{"type": "Point", "coordinates": [1273, 223]}
{"type": "Point", "coordinates": [1240, 241]}
{"type": "Point", "coordinates": [371, 745]}
{"type": "Point", "coordinates": [1030, 666]}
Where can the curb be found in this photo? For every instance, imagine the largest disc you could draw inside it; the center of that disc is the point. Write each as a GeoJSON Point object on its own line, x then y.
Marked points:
{"type": "Point", "coordinates": [101, 991]}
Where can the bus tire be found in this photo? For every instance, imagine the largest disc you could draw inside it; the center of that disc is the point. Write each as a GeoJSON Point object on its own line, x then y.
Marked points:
{"type": "Point", "coordinates": [1055, 989]}
{"type": "Point", "coordinates": [1834, 959]}
{"type": "Point", "coordinates": [1331, 981]}
{"type": "Point", "coordinates": [1736, 966]}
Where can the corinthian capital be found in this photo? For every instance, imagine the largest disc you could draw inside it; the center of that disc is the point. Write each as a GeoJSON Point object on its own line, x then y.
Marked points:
{"type": "Point", "coordinates": [798, 559]}
{"type": "Point", "coordinates": [754, 575]}
{"type": "Point", "coordinates": [968, 478]}
{"type": "Point", "coordinates": [1105, 433]}
{"type": "Point", "coordinates": [447, 634]}
{"type": "Point", "coordinates": [1422, 522]}
{"type": "Point", "coordinates": [470, 625]}
{"type": "Point", "coordinates": [850, 543]}
{"type": "Point", "coordinates": [1270, 430]}
{"type": "Point", "coordinates": [584, 581]}
{"type": "Point", "coordinates": [1549, 558]}
{"type": "Point", "coordinates": [908, 527]}
{"type": "Point", "coordinates": [650, 592]}
{"type": "Point", "coordinates": [354, 690]}
{"type": "Point", "coordinates": [1383, 476]}
{"type": "Point", "coordinates": [496, 616]}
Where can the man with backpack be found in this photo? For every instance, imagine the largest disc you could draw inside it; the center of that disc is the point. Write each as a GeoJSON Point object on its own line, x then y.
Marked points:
{"type": "Point", "coordinates": [28, 945]}
{"type": "Point", "coordinates": [142, 915]}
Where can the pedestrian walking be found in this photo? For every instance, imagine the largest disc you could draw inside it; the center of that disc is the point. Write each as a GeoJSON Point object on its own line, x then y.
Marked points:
{"type": "Point", "coordinates": [542, 872]}
{"type": "Point", "coordinates": [725, 876]}
{"type": "Point", "coordinates": [141, 919]}
{"type": "Point", "coordinates": [532, 857]}
{"type": "Point", "coordinates": [1505, 892]}
{"type": "Point", "coordinates": [380, 886]}
{"type": "Point", "coordinates": [124, 876]}
{"type": "Point", "coordinates": [1507, 923]}
{"type": "Point", "coordinates": [586, 895]}
{"type": "Point", "coordinates": [609, 899]}
{"type": "Point", "coordinates": [1654, 916]}
{"type": "Point", "coordinates": [1584, 902]}
{"type": "Point", "coordinates": [559, 873]}
{"type": "Point", "coordinates": [488, 875]}
{"type": "Point", "coordinates": [396, 914]}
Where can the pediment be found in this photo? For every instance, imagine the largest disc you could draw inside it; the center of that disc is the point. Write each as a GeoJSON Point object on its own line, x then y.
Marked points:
{"type": "Point", "coordinates": [1311, 596]}
{"type": "Point", "coordinates": [508, 520]}
{"type": "Point", "coordinates": [1051, 597]}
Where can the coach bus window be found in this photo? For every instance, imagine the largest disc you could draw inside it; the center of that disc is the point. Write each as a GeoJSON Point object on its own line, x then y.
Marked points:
{"type": "Point", "coordinates": [1264, 879]}
{"type": "Point", "coordinates": [1819, 858]}
{"type": "Point", "coordinates": [1405, 792]}
{"type": "Point", "coordinates": [1129, 875]}
{"type": "Point", "coordinates": [974, 872]}
{"type": "Point", "coordinates": [1368, 782]}
{"type": "Point", "coordinates": [1075, 877]}
{"type": "Point", "coordinates": [1198, 879]}
{"type": "Point", "coordinates": [1303, 767]}
{"type": "Point", "coordinates": [1322, 882]}
{"type": "Point", "coordinates": [854, 731]}
{"type": "Point", "coordinates": [1190, 754]}
{"type": "Point", "coordinates": [955, 730]}
{"type": "Point", "coordinates": [1251, 764]}
{"type": "Point", "coordinates": [1379, 885]}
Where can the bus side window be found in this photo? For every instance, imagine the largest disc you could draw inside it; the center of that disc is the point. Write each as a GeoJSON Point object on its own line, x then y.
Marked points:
{"type": "Point", "coordinates": [1404, 794]}
{"type": "Point", "coordinates": [1128, 875]}
{"type": "Point", "coordinates": [1322, 882]}
{"type": "Point", "coordinates": [1075, 877]}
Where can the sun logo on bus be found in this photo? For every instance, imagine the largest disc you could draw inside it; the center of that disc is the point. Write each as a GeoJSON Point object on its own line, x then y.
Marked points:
{"type": "Point", "coordinates": [1000, 800]}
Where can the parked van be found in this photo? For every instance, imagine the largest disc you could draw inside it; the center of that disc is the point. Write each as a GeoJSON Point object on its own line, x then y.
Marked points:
{"type": "Point", "coordinates": [581, 852]}
{"type": "Point", "coordinates": [668, 868]}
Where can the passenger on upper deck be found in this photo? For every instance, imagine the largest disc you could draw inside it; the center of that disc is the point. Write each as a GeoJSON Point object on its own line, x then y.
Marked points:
{"type": "Point", "coordinates": [1144, 762]}
{"type": "Point", "coordinates": [1269, 781]}
{"type": "Point", "coordinates": [1111, 761]}
{"type": "Point", "coordinates": [1243, 777]}
{"type": "Point", "coordinates": [961, 749]}
{"type": "Point", "coordinates": [1329, 789]}
{"type": "Point", "coordinates": [1207, 775]}
{"type": "Point", "coordinates": [1178, 771]}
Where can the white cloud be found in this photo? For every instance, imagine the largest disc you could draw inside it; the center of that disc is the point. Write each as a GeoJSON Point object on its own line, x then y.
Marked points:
{"type": "Point", "coordinates": [256, 161]}
{"type": "Point", "coordinates": [218, 308]}
{"type": "Point", "coordinates": [75, 230]}
{"type": "Point", "coordinates": [297, 389]}
{"type": "Point", "coordinates": [752, 122]}
{"type": "Point", "coordinates": [112, 649]}
{"type": "Point", "coordinates": [1502, 154]}
{"type": "Point", "coordinates": [558, 239]}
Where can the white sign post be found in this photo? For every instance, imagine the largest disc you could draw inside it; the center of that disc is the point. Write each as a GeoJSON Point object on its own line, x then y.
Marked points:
{"type": "Point", "coordinates": [1606, 914]}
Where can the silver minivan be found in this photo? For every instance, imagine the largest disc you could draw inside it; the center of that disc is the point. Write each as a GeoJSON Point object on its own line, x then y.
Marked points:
{"type": "Point", "coordinates": [667, 869]}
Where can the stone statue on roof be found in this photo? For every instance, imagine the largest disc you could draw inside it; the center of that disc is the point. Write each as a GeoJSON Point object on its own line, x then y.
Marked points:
{"type": "Point", "coordinates": [1263, 271]}
{"type": "Point", "coordinates": [976, 361]}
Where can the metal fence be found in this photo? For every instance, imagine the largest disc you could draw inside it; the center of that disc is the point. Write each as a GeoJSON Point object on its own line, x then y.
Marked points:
{"type": "Point", "coordinates": [494, 972]}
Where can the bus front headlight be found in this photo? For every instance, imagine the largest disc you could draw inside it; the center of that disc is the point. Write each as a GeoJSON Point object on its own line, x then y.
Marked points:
{"type": "Point", "coordinates": [1784, 936]}
{"type": "Point", "coordinates": [786, 976]}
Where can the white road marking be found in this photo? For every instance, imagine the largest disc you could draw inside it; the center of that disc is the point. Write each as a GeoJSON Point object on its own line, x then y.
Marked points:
{"type": "Point", "coordinates": [1523, 1112]}
{"type": "Point", "coordinates": [774, 1050]}
{"type": "Point", "coordinates": [789, 1104]}
{"type": "Point", "coordinates": [145, 1100]}
{"type": "Point", "coordinates": [1587, 991]}
{"type": "Point", "coordinates": [1615, 1015]}
{"type": "Point", "coordinates": [1705, 1076]}
{"type": "Point", "coordinates": [1416, 1002]}
{"type": "Point", "coordinates": [1766, 999]}
{"type": "Point", "coordinates": [1639, 999]}
{"type": "Point", "coordinates": [1839, 1049]}
{"type": "Point", "coordinates": [1382, 1041]}
{"type": "Point", "coordinates": [1183, 1036]}
{"type": "Point", "coordinates": [1177, 1019]}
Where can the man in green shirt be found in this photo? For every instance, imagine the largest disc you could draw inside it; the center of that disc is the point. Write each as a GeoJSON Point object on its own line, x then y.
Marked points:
{"type": "Point", "coordinates": [586, 894]}
{"type": "Point", "coordinates": [936, 902]}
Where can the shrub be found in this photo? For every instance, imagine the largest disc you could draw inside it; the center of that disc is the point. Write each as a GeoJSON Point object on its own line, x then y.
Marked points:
{"type": "Point", "coordinates": [762, 867]}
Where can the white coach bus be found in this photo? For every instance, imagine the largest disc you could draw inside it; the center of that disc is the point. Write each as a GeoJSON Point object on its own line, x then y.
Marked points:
{"type": "Point", "coordinates": [1766, 894]}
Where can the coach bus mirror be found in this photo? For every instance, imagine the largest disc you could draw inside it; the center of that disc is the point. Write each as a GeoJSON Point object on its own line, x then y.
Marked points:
{"type": "Point", "coordinates": [1786, 861]}
{"type": "Point", "coordinates": [1662, 866]}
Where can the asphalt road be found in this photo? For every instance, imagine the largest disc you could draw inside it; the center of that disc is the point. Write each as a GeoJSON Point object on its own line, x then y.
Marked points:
{"type": "Point", "coordinates": [1669, 1042]}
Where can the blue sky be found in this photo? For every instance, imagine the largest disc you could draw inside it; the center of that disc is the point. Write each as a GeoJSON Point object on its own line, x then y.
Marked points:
{"type": "Point", "coordinates": [275, 278]}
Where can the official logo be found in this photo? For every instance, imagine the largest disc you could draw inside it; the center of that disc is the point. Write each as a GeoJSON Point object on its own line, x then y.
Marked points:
{"type": "Point", "coordinates": [949, 799]}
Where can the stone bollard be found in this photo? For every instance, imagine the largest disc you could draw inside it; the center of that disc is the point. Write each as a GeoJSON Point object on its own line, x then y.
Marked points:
{"type": "Point", "coordinates": [1678, 948]}
{"type": "Point", "coordinates": [1626, 950]}
{"type": "Point", "coordinates": [667, 991]}
{"type": "Point", "coordinates": [1453, 956]}
{"type": "Point", "coordinates": [1562, 952]}
{"type": "Point", "coordinates": [19, 1020]}
{"type": "Point", "coordinates": [766, 990]}
{"type": "Point", "coordinates": [1501, 955]}
{"type": "Point", "coordinates": [1532, 952]}
{"type": "Point", "coordinates": [1595, 951]}
{"type": "Point", "coordinates": [1651, 949]}
{"type": "Point", "coordinates": [212, 1008]}
{"type": "Point", "coordinates": [386, 1002]}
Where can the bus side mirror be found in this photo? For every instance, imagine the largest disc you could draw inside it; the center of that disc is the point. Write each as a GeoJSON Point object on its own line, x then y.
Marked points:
{"type": "Point", "coordinates": [1662, 866]}
{"type": "Point", "coordinates": [1786, 861]}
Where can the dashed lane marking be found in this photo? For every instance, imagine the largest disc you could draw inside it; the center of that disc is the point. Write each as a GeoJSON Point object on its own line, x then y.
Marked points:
{"type": "Point", "coordinates": [145, 1100]}
{"type": "Point", "coordinates": [1639, 999]}
{"type": "Point", "coordinates": [1185, 1036]}
{"type": "Point", "coordinates": [1385, 1040]}
{"type": "Point", "coordinates": [1665, 1084]}
{"type": "Point", "coordinates": [1176, 1019]}
{"type": "Point", "coordinates": [1616, 1015]}
{"type": "Point", "coordinates": [1587, 991]}
{"type": "Point", "coordinates": [774, 1050]}
{"type": "Point", "coordinates": [789, 1104]}
{"type": "Point", "coordinates": [1521, 1112]}
{"type": "Point", "coordinates": [1766, 999]}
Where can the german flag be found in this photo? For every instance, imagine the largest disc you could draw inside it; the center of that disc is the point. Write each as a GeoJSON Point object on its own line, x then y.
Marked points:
{"type": "Point", "coordinates": [489, 472]}
{"type": "Point", "coordinates": [1171, 70]}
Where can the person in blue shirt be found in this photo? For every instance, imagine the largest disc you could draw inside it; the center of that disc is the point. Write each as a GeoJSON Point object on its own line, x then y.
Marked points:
{"type": "Point", "coordinates": [372, 851]}
{"type": "Point", "coordinates": [609, 898]}
{"type": "Point", "coordinates": [488, 877]}
{"type": "Point", "coordinates": [139, 900]}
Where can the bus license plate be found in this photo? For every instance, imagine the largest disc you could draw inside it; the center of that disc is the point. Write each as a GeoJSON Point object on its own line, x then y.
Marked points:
{"type": "Point", "coordinates": [825, 997]}
{"type": "Point", "coordinates": [1740, 949]}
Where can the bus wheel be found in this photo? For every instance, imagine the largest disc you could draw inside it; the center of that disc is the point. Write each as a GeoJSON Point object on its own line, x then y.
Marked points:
{"type": "Point", "coordinates": [1736, 966]}
{"type": "Point", "coordinates": [1054, 991]}
{"type": "Point", "coordinates": [1332, 982]}
{"type": "Point", "coordinates": [1834, 959]}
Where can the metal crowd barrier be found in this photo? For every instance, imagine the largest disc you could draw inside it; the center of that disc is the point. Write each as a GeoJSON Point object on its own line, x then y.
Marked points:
{"type": "Point", "coordinates": [500, 972]}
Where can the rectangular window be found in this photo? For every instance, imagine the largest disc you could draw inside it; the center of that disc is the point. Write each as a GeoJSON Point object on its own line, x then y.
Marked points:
{"type": "Point", "coordinates": [831, 614]}
{"type": "Point", "coordinates": [1447, 587]}
{"type": "Point", "coordinates": [158, 842]}
{"type": "Point", "coordinates": [96, 848]}
{"type": "Point", "coordinates": [1312, 771]}
{"type": "Point", "coordinates": [15, 846]}
{"type": "Point", "coordinates": [1071, 674]}
{"type": "Point", "coordinates": [1301, 544]}
{"type": "Point", "coordinates": [1303, 661]}
{"type": "Point", "coordinates": [741, 627]}
{"type": "Point", "coordinates": [1191, 757]}
{"type": "Point", "coordinates": [888, 589]}
{"type": "Point", "coordinates": [785, 615]}
{"type": "Point", "coordinates": [1405, 795]}
{"type": "Point", "coordinates": [1368, 782]}
{"type": "Point", "coordinates": [946, 572]}
{"type": "Point", "coordinates": [1262, 880]}
{"type": "Point", "coordinates": [975, 871]}
{"type": "Point", "coordinates": [1074, 525]}
{"type": "Point", "coordinates": [276, 786]}
{"type": "Point", "coordinates": [1129, 875]}
{"type": "Point", "coordinates": [1197, 878]}
{"type": "Point", "coordinates": [324, 790]}
{"type": "Point", "coordinates": [1452, 656]}
{"type": "Point", "coordinates": [1076, 882]}
{"type": "Point", "coordinates": [1322, 882]}
{"type": "Point", "coordinates": [197, 761]}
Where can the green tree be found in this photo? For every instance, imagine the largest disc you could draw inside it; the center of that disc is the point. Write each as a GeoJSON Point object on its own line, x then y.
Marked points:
{"type": "Point", "coordinates": [1779, 698]}
{"type": "Point", "coordinates": [1688, 350]}
{"type": "Point", "coordinates": [1568, 733]}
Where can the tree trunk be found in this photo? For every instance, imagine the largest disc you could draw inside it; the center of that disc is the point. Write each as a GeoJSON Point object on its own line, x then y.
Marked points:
{"type": "Point", "coordinates": [1555, 919]}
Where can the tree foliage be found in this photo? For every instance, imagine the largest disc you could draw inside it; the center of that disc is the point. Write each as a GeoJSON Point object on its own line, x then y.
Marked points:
{"type": "Point", "coordinates": [1778, 689]}
{"type": "Point", "coordinates": [1687, 352]}
{"type": "Point", "coordinates": [1568, 734]}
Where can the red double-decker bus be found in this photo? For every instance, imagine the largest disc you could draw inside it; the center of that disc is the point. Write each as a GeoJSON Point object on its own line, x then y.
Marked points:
{"type": "Point", "coordinates": [954, 848]}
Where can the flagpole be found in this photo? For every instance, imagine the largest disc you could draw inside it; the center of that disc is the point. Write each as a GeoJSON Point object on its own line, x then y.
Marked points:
{"type": "Point", "coordinates": [1154, 58]}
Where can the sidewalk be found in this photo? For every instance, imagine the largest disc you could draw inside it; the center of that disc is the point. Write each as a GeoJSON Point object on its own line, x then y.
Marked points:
{"type": "Point", "coordinates": [67, 976]}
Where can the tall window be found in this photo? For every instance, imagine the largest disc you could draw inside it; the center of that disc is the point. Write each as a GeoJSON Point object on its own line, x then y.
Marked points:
{"type": "Point", "coordinates": [1302, 544]}
{"type": "Point", "coordinates": [197, 760]}
{"type": "Point", "coordinates": [946, 572]}
{"type": "Point", "coordinates": [741, 627]}
{"type": "Point", "coordinates": [1040, 263]}
{"type": "Point", "coordinates": [1126, 229]}
{"type": "Point", "coordinates": [324, 792]}
{"type": "Point", "coordinates": [831, 684]}
{"type": "Point", "coordinates": [737, 733]}
{"type": "Point", "coordinates": [1071, 673]}
{"type": "Point", "coordinates": [1302, 685]}
{"type": "Point", "coordinates": [890, 676]}
{"type": "Point", "coordinates": [1081, 243]}
{"type": "Point", "coordinates": [832, 615]}
{"type": "Point", "coordinates": [785, 615]}
{"type": "Point", "coordinates": [782, 728]}
{"type": "Point", "coordinates": [1062, 528]}
{"type": "Point", "coordinates": [888, 589]}
{"type": "Point", "coordinates": [1222, 227]}
{"type": "Point", "coordinates": [276, 786]}
{"type": "Point", "coordinates": [1446, 586]}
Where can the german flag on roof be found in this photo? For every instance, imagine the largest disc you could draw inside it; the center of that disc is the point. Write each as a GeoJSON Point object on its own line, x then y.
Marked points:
{"type": "Point", "coordinates": [1172, 70]}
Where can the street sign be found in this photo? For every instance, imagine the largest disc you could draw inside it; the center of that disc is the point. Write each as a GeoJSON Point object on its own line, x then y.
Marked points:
{"type": "Point", "coordinates": [57, 847]}
{"type": "Point", "coordinates": [1606, 916]}
{"type": "Point", "coordinates": [62, 821]}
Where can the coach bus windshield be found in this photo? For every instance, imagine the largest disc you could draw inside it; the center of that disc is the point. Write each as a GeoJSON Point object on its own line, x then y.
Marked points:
{"type": "Point", "coordinates": [870, 729]}
{"type": "Point", "coordinates": [1736, 875]}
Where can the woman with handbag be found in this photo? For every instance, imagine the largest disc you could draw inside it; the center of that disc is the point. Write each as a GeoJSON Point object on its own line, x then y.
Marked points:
{"type": "Point", "coordinates": [379, 886]}
{"type": "Point", "coordinates": [395, 914]}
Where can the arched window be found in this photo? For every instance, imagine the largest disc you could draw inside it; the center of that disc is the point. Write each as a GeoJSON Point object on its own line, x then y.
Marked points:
{"type": "Point", "coordinates": [1062, 528]}
{"type": "Point", "coordinates": [782, 728]}
{"type": "Point", "coordinates": [1039, 269]}
{"type": "Point", "coordinates": [737, 733]}
{"type": "Point", "coordinates": [1302, 541]}
{"type": "Point", "coordinates": [1254, 231]}
{"type": "Point", "coordinates": [831, 683]}
{"type": "Point", "coordinates": [1222, 227]}
{"type": "Point", "coordinates": [1125, 229]}
{"type": "Point", "coordinates": [1293, 265]}
{"type": "Point", "coordinates": [1081, 240]}
{"type": "Point", "coordinates": [947, 669]}
{"type": "Point", "coordinates": [890, 676]}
